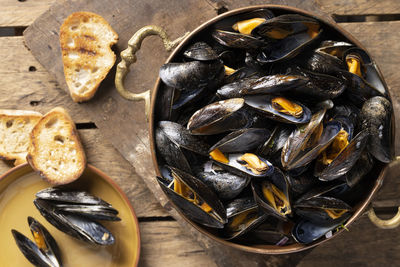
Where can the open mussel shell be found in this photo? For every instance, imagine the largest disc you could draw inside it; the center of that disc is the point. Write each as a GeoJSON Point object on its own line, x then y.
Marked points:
{"type": "Point", "coordinates": [306, 232]}
{"type": "Point", "coordinates": [319, 189]}
{"type": "Point", "coordinates": [240, 74]}
{"type": "Point", "coordinates": [243, 216]}
{"type": "Point", "coordinates": [304, 157]}
{"type": "Point", "coordinates": [238, 40]}
{"type": "Point", "coordinates": [46, 254]}
{"type": "Point", "coordinates": [300, 138]}
{"type": "Point", "coordinates": [343, 161]}
{"type": "Point", "coordinates": [200, 51]}
{"type": "Point", "coordinates": [225, 184]}
{"type": "Point", "coordinates": [219, 117]}
{"type": "Point", "coordinates": [197, 191]}
{"type": "Point", "coordinates": [376, 117]}
{"type": "Point", "coordinates": [317, 209]}
{"type": "Point", "coordinates": [74, 225]}
{"type": "Point", "coordinates": [243, 140]}
{"type": "Point", "coordinates": [328, 57]}
{"type": "Point", "coordinates": [94, 212]}
{"type": "Point", "coordinates": [246, 164]}
{"type": "Point", "coordinates": [264, 104]}
{"type": "Point", "coordinates": [264, 85]}
{"type": "Point", "coordinates": [277, 189]}
{"type": "Point", "coordinates": [293, 33]}
{"type": "Point", "coordinates": [192, 75]}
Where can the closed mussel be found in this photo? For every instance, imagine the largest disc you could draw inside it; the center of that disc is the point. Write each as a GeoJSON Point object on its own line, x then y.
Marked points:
{"type": "Point", "coordinates": [225, 184]}
{"type": "Point", "coordinates": [376, 117]}
{"type": "Point", "coordinates": [200, 51]}
{"type": "Point", "coordinates": [195, 199]}
{"type": "Point", "coordinates": [265, 85]}
{"type": "Point", "coordinates": [273, 195]}
{"type": "Point", "coordinates": [176, 145]}
{"type": "Point", "coordinates": [219, 117]}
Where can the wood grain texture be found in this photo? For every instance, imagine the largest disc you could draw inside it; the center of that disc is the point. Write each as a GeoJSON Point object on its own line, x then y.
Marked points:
{"type": "Point", "coordinates": [164, 244]}
{"type": "Point", "coordinates": [356, 7]}
{"type": "Point", "coordinates": [21, 13]}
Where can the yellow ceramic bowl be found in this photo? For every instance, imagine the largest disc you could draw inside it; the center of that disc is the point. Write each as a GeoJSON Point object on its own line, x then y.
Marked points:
{"type": "Point", "coordinates": [17, 192]}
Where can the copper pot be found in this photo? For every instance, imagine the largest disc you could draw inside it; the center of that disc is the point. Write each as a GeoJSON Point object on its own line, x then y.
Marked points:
{"type": "Point", "coordinates": [128, 57]}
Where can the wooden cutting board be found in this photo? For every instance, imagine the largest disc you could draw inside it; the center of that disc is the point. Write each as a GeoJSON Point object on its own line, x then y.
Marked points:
{"type": "Point", "coordinates": [123, 122]}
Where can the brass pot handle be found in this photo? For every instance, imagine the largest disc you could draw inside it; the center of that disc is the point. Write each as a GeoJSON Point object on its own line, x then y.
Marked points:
{"type": "Point", "coordinates": [389, 223]}
{"type": "Point", "coordinates": [384, 224]}
{"type": "Point", "coordinates": [128, 57]}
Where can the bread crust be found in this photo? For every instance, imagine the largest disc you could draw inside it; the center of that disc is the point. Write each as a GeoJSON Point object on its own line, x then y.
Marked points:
{"type": "Point", "coordinates": [55, 149]}
{"type": "Point", "coordinates": [15, 127]}
{"type": "Point", "coordinates": [86, 39]}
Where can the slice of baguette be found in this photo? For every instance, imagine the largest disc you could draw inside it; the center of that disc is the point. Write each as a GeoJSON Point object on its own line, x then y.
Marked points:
{"type": "Point", "coordinates": [15, 127]}
{"type": "Point", "coordinates": [86, 39]}
{"type": "Point", "coordinates": [55, 150]}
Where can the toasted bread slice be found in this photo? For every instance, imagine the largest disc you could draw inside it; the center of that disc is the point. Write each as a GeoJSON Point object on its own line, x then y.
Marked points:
{"type": "Point", "coordinates": [55, 150]}
{"type": "Point", "coordinates": [86, 39]}
{"type": "Point", "coordinates": [15, 127]}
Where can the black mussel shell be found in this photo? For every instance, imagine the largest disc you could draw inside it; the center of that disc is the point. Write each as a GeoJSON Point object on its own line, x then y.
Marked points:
{"type": "Point", "coordinates": [241, 73]}
{"type": "Point", "coordinates": [243, 140]}
{"type": "Point", "coordinates": [300, 184]}
{"type": "Point", "coordinates": [363, 165]}
{"type": "Point", "coordinates": [320, 86]}
{"type": "Point", "coordinates": [271, 84]}
{"type": "Point", "coordinates": [275, 143]}
{"type": "Point", "coordinates": [320, 189]}
{"type": "Point", "coordinates": [192, 75]}
{"type": "Point", "coordinates": [74, 225]}
{"type": "Point", "coordinates": [218, 117]}
{"type": "Point", "coordinates": [262, 103]}
{"type": "Point", "coordinates": [287, 25]}
{"type": "Point", "coordinates": [301, 138]}
{"type": "Point", "coordinates": [194, 212]}
{"type": "Point", "coordinates": [328, 57]}
{"type": "Point", "coordinates": [305, 232]}
{"type": "Point", "coordinates": [70, 196]}
{"type": "Point", "coordinates": [225, 184]}
{"type": "Point", "coordinates": [308, 154]}
{"type": "Point", "coordinates": [238, 40]}
{"type": "Point", "coordinates": [272, 232]}
{"type": "Point", "coordinates": [200, 51]}
{"type": "Point", "coordinates": [94, 212]}
{"type": "Point", "coordinates": [376, 117]}
{"type": "Point", "coordinates": [239, 205]}
{"type": "Point", "coordinates": [50, 257]}
{"type": "Point", "coordinates": [345, 160]}
{"type": "Point", "coordinates": [281, 182]}
{"type": "Point", "coordinates": [313, 209]}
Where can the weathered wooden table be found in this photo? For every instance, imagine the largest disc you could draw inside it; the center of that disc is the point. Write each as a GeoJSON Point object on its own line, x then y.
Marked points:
{"type": "Point", "coordinates": [25, 84]}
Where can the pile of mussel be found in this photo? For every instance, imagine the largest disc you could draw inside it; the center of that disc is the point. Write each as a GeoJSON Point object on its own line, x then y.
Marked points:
{"type": "Point", "coordinates": [268, 127]}
{"type": "Point", "coordinates": [73, 212]}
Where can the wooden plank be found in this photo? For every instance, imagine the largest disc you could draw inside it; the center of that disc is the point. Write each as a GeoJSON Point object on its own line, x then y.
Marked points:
{"type": "Point", "coordinates": [14, 13]}
{"type": "Point", "coordinates": [356, 7]}
{"type": "Point", "coordinates": [103, 155]}
{"type": "Point", "coordinates": [363, 245]}
{"type": "Point", "coordinates": [164, 244]}
{"type": "Point", "coordinates": [31, 85]}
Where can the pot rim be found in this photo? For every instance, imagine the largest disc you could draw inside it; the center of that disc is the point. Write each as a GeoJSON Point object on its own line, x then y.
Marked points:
{"type": "Point", "coordinates": [269, 249]}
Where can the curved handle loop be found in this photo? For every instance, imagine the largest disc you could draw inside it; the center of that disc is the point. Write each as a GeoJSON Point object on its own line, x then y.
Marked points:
{"type": "Point", "coordinates": [384, 224]}
{"type": "Point", "coordinates": [389, 223]}
{"type": "Point", "coordinates": [128, 57]}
